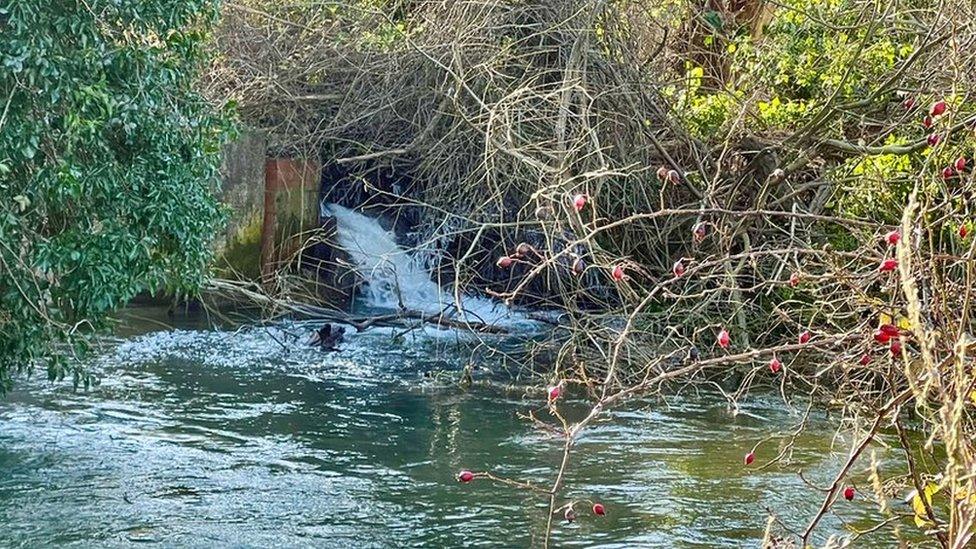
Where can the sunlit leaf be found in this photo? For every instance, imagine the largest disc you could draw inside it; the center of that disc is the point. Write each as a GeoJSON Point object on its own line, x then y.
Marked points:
{"type": "Point", "coordinates": [918, 504]}
{"type": "Point", "coordinates": [22, 201]}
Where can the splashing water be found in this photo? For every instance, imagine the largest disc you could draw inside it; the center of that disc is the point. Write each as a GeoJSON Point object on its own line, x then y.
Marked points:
{"type": "Point", "coordinates": [396, 279]}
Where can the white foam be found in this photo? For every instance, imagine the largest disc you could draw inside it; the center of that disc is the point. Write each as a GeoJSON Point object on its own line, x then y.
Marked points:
{"type": "Point", "coordinates": [394, 277]}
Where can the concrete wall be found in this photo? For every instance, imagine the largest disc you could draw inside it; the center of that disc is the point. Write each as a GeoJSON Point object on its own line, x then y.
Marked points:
{"type": "Point", "coordinates": [273, 235]}
{"type": "Point", "coordinates": [242, 174]}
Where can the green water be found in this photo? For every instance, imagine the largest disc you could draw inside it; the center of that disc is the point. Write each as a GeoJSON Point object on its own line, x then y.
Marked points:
{"type": "Point", "coordinates": [201, 438]}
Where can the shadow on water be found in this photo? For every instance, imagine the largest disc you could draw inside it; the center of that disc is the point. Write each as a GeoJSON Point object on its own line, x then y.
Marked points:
{"type": "Point", "coordinates": [207, 438]}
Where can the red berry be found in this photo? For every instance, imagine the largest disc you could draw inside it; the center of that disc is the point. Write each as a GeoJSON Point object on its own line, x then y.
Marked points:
{"type": "Point", "coordinates": [617, 273]}
{"type": "Point", "coordinates": [895, 348]}
{"type": "Point", "coordinates": [849, 493]}
{"type": "Point", "coordinates": [555, 391]}
{"type": "Point", "coordinates": [804, 337]}
{"type": "Point", "coordinates": [934, 139]}
{"type": "Point", "coordinates": [723, 338]}
{"type": "Point", "coordinates": [881, 337]}
{"type": "Point", "coordinates": [662, 173]}
{"type": "Point", "coordinates": [750, 457]}
{"type": "Point", "coordinates": [504, 262]}
{"type": "Point", "coordinates": [794, 279]}
{"type": "Point", "coordinates": [699, 232]}
{"type": "Point", "coordinates": [927, 121]}
{"type": "Point", "coordinates": [938, 108]}
{"type": "Point", "coordinates": [599, 509]}
{"type": "Point", "coordinates": [948, 172]}
{"type": "Point", "coordinates": [963, 231]}
{"type": "Point", "coordinates": [960, 164]}
{"type": "Point", "coordinates": [865, 360]}
{"type": "Point", "coordinates": [893, 237]}
{"type": "Point", "coordinates": [909, 103]}
{"type": "Point", "coordinates": [678, 268]}
{"type": "Point", "coordinates": [888, 265]}
{"type": "Point", "coordinates": [465, 476]}
{"type": "Point", "coordinates": [890, 329]}
{"type": "Point", "coordinates": [775, 365]}
{"type": "Point", "coordinates": [579, 202]}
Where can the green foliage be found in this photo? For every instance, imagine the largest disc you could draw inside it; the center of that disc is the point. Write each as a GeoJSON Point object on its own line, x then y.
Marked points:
{"type": "Point", "coordinates": [875, 186]}
{"type": "Point", "coordinates": [801, 63]}
{"type": "Point", "coordinates": [108, 161]}
{"type": "Point", "coordinates": [386, 36]}
{"type": "Point", "coordinates": [798, 65]}
{"type": "Point", "coordinates": [829, 69]}
{"type": "Point", "coordinates": [706, 114]}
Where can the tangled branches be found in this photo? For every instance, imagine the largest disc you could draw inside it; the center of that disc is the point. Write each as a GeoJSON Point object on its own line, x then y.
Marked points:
{"type": "Point", "coordinates": [797, 176]}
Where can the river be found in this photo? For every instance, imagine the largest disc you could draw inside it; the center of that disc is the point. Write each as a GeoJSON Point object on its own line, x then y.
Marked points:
{"type": "Point", "coordinates": [218, 438]}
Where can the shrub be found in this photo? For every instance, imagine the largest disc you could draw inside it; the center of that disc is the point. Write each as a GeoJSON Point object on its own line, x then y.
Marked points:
{"type": "Point", "coordinates": [107, 167]}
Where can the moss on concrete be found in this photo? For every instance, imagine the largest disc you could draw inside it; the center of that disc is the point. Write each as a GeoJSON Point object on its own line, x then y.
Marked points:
{"type": "Point", "coordinates": [240, 256]}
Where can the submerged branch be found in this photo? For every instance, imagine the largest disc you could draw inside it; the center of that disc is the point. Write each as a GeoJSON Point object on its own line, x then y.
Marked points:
{"type": "Point", "coordinates": [403, 319]}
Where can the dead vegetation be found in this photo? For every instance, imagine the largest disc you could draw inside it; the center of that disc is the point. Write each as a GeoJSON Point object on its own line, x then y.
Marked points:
{"type": "Point", "coordinates": [494, 116]}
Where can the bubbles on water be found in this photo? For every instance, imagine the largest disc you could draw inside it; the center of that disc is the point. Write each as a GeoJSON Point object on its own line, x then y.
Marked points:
{"type": "Point", "coordinates": [219, 349]}
{"type": "Point", "coordinates": [377, 355]}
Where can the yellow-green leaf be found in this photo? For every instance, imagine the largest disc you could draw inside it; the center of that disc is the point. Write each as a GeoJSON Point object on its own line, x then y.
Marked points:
{"type": "Point", "coordinates": [918, 504]}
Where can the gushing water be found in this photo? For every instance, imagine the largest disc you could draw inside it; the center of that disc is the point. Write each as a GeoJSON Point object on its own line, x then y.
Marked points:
{"type": "Point", "coordinates": [396, 279]}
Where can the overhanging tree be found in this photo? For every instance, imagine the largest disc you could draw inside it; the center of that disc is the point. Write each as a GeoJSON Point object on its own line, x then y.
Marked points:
{"type": "Point", "coordinates": [108, 164]}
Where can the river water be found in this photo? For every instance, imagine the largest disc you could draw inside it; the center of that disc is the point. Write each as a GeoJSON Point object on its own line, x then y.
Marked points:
{"type": "Point", "coordinates": [217, 438]}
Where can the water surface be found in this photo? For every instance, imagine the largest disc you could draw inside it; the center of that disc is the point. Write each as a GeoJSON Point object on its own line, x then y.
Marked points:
{"type": "Point", "coordinates": [209, 438]}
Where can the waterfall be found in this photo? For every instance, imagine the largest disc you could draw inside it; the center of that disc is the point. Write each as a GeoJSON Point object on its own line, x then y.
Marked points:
{"type": "Point", "coordinates": [393, 276]}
